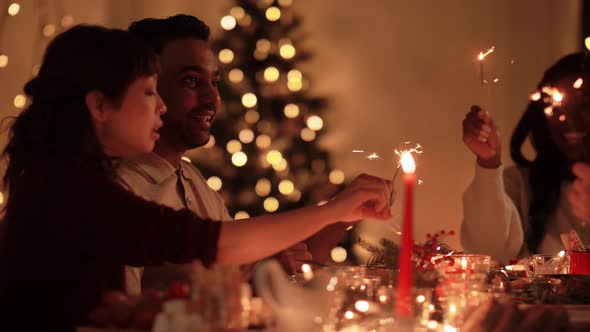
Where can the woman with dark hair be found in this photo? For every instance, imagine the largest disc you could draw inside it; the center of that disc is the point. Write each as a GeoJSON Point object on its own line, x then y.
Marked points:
{"type": "Point", "coordinates": [524, 209]}
{"type": "Point", "coordinates": [69, 228]}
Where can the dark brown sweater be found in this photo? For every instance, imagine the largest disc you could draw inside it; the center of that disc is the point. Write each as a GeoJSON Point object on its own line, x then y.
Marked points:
{"type": "Point", "coordinates": [68, 230]}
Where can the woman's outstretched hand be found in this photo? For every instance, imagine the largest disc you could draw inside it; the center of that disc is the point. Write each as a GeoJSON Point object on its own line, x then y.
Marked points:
{"type": "Point", "coordinates": [366, 197]}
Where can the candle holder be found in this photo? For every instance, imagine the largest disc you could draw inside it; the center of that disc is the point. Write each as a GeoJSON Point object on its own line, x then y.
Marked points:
{"type": "Point", "coordinates": [550, 264]}
{"type": "Point", "coordinates": [465, 263]}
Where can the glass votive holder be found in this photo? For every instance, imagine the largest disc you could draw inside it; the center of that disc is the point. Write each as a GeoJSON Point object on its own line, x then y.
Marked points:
{"type": "Point", "coordinates": [550, 264]}
{"type": "Point", "coordinates": [423, 306]}
{"type": "Point", "coordinates": [472, 263]}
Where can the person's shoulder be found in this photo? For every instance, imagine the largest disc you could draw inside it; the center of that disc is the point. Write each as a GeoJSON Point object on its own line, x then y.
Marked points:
{"type": "Point", "coordinates": [191, 171]}
{"type": "Point", "coordinates": [137, 169]}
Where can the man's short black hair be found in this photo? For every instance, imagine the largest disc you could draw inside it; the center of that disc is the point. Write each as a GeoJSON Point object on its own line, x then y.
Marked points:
{"type": "Point", "coordinates": [158, 32]}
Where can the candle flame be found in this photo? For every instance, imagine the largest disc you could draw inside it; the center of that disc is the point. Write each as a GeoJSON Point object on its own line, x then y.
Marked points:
{"type": "Point", "coordinates": [464, 263]}
{"type": "Point", "coordinates": [408, 164]}
{"type": "Point", "coordinates": [578, 83]}
{"type": "Point", "coordinates": [406, 161]}
{"type": "Point", "coordinates": [361, 305]}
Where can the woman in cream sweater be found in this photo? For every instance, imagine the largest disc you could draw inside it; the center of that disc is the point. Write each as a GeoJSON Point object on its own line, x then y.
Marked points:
{"type": "Point", "coordinates": [523, 209]}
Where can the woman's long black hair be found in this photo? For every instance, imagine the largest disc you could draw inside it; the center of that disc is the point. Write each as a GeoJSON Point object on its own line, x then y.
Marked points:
{"type": "Point", "coordinates": [57, 123]}
{"type": "Point", "coordinates": [549, 168]}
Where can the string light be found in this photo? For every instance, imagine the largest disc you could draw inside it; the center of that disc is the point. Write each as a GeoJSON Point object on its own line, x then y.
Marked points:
{"type": "Point", "coordinates": [259, 55]}
{"type": "Point", "coordinates": [273, 14]}
{"type": "Point", "coordinates": [236, 75]}
{"type": "Point", "coordinates": [228, 22]}
{"type": "Point", "coordinates": [314, 122]}
{"type": "Point", "coordinates": [245, 21]}
{"type": "Point", "coordinates": [239, 159]}
{"type": "Point", "coordinates": [234, 146]}
{"type": "Point", "coordinates": [20, 101]}
{"type": "Point", "coordinates": [263, 141]}
{"type": "Point", "coordinates": [210, 142]}
{"type": "Point", "coordinates": [294, 75]}
{"type": "Point", "coordinates": [226, 55]}
{"type": "Point", "coordinates": [3, 60]}
{"type": "Point", "coordinates": [274, 157]}
{"type": "Point", "coordinates": [246, 136]}
{"type": "Point", "coordinates": [271, 204]}
{"type": "Point", "coordinates": [295, 196]}
{"type": "Point", "coordinates": [241, 215]}
{"type": "Point", "coordinates": [281, 165]}
{"type": "Point", "coordinates": [307, 134]}
{"type": "Point", "coordinates": [262, 187]}
{"type": "Point", "coordinates": [252, 116]}
{"type": "Point", "coordinates": [49, 30]}
{"type": "Point", "coordinates": [214, 183]}
{"type": "Point", "coordinates": [336, 176]}
{"type": "Point", "coordinates": [578, 83]}
{"type": "Point", "coordinates": [13, 9]}
{"type": "Point", "coordinates": [287, 51]}
{"type": "Point", "coordinates": [263, 45]}
{"type": "Point", "coordinates": [237, 12]}
{"type": "Point", "coordinates": [291, 111]}
{"type": "Point", "coordinates": [67, 21]}
{"type": "Point", "coordinates": [271, 74]}
{"type": "Point", "coordinates": [294, 86]}
{"type": "Point", "coordinates": [286, 187]}
{"type": "Point", "coordinates": [249, 100]}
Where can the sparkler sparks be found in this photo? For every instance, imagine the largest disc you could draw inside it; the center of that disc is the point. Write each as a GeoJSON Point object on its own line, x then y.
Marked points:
{"type": "Point", "coordinates": [417, 150]}
{"type": "Point", "coordinates": [373, 156]}
{"type": "Point", "coordinates": [551, 96]}
{"type": "Point", "coordinates": [400, 153]}
{"type": "Point", "coordinates": [370, 156]}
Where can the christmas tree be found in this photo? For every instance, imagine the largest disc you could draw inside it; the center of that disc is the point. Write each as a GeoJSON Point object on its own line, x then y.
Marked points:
{"type": "Point", "coordinates": [264, 154]}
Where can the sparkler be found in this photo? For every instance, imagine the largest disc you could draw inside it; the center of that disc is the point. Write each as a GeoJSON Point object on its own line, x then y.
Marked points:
{"type": "Point", "coordinates": [481, 57]}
